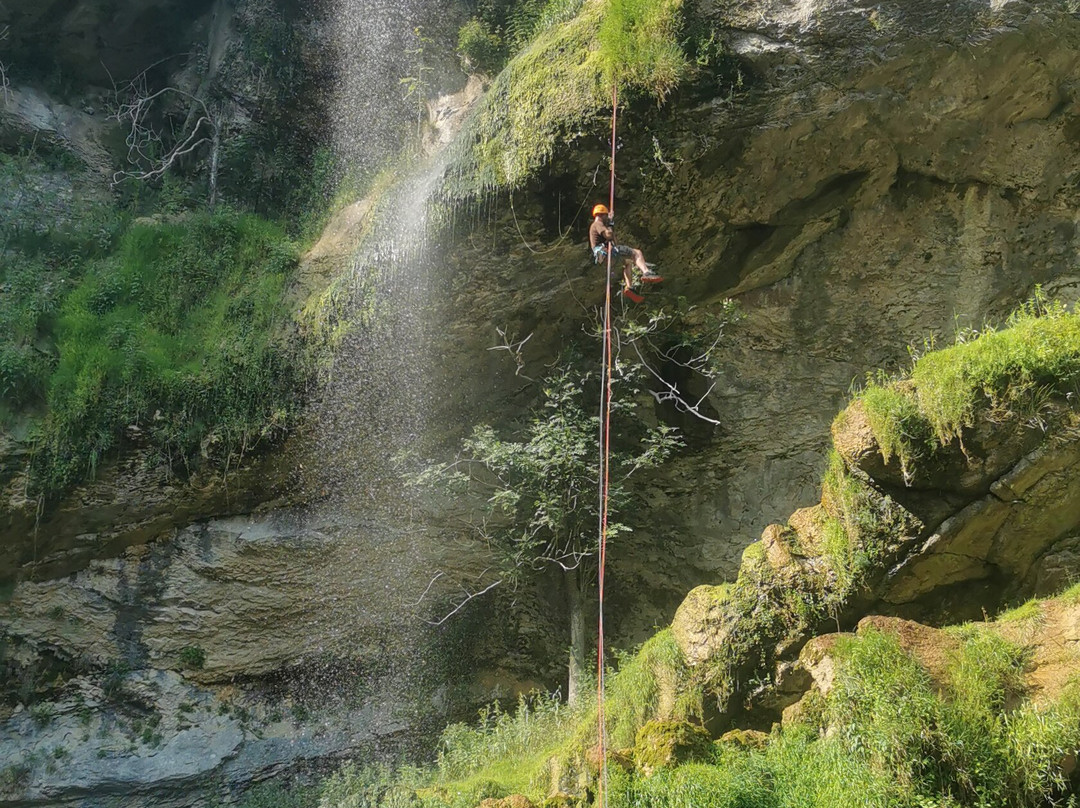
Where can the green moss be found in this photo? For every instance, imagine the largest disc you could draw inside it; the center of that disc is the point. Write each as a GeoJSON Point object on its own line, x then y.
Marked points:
{"type": "Point", "coordinates": [1017, 369]}
{"type": "Point", "coordinates": [654, 682]}
{"type": "Point", "coordinates": [665, 744]}
{"type": "Point", "coordinates": [560, 83]}
{"type": "Point", "coordinates": [640, 47]}
{"type": "Point", "coordinates": [14, 779]}
{"type": "Point", "coordinates": [176, 339]}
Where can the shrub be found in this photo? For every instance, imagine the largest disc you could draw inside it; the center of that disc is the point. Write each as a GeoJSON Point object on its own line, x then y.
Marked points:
{"type": "Point", "coordinates": [192, 657]}
{"type": "Point", "coordinates": [481, 48]}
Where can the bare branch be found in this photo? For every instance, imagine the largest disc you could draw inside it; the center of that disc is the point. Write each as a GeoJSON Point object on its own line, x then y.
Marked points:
{"type": "Point", "coordinates": [469, 596]}
{"type": "Point", "coordinates": [431, 583]}
{"type": "Point", "coordinates": [5, 84]}
{"type": "Point", "coordinates": [148, 153]}
{"type": "Point", "coordinates": [514, 349]}
{"type": "Point", "coordinates": [671, 393]}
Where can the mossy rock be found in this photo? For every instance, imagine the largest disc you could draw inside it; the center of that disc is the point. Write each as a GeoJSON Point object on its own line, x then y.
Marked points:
{"type": "Point", "coordinates": [706, 610]}
{"type": "Point", "coordinates": [513, 801]}
{"type": "Point", "coordinates": [663, 744]}
{"type": "Point", "coordinates": [560, 801]}
{"type": "Point", "coordinates": [746, 738]}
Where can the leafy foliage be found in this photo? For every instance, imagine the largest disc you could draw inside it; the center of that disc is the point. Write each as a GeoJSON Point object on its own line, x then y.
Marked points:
{"type": "Point", "coordinates": [544, 485]}
{"type": "Point", "coordinates": [501, 28]}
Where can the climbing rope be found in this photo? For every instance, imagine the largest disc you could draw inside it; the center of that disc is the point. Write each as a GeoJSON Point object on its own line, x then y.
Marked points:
{"type": "Point", "coordinates": [605, 478]}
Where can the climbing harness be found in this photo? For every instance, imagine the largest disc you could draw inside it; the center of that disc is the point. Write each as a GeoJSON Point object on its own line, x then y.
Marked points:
{"type": "Point", "coordinates": [605, 469]}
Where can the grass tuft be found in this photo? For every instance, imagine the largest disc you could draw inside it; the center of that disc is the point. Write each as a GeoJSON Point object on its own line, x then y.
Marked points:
{"type": "Point", "coordinates": [176, 339]}
{"type": "Point", "coordinates": [559, 85]}
{"type": "Point", "coordinates": [1017, 370]}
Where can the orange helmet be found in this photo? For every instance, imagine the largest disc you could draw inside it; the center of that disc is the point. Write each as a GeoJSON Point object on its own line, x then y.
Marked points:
{"type": "Point", "coordinates": [600, 210]}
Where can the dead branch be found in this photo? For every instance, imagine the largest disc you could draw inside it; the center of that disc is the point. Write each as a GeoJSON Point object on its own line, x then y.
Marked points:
{"type": "Point", "coordinates": [514, 349]}
{"type": "Point", "coordinates": [670, 392]}
{"type": "Point", "coordinates": [148, 153]}
{"type": "Point", "coordinates": [461, 605]}
{"type": "Point", "coordinates": [5, 84]}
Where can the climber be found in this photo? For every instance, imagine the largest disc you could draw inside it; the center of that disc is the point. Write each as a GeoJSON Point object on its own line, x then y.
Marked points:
{"type": "Point", "coordinates": [602, 238]}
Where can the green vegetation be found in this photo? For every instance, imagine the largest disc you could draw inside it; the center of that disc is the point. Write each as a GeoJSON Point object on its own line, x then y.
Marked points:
{"type": "Point", "coordinates": [193, 657]}
{"type": "Point", "coordinates": [14, 779]}
{"type": "Point", "coordinates": [172, 334]}
{"type": "Point", "coordinates": [666, 744]}
{"type": "Point", "coordinates": [538, 492]}
{"type": "Point", "coordinates": [501, 28]}
{"type": "Point", "coordinates": [887, 735]}
{"type": "Point", "coordinates": [176, 336]}
{"type": "Point", "coordinates": [640, 45]}
{"type": "Point", "coordinates": [561, 81]}
{"type": "Point", "coordinates": [1016, 370]}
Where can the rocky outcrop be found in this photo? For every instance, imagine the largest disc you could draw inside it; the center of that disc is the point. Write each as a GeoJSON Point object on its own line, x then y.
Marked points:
{"type": "Point", "coordinates": [959, 534]}
{"type": "Point", "coordinates": [151, 738]}
{"type": "Point", "coordinates": [1048, 632]}
{"type": "Point", "coordinates": [869, 178]}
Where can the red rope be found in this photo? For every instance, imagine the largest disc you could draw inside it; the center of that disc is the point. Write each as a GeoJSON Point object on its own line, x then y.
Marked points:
{"type": "Point", "coordinates": [605, 476]}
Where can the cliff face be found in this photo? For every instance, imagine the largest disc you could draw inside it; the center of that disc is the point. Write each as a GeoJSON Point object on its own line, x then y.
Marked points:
{"type": "Point", "coordinates": [877, 177]}
{"type": "Point", "coordinates": [869, 176]}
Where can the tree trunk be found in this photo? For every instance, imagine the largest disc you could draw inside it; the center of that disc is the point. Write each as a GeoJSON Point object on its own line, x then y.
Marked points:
{"type": "Point", "coordinates": [578, 668]}
{"type": "Point", "coordinates": [215, 154]}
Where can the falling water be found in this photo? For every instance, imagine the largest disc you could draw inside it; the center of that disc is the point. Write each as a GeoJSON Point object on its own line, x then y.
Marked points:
{"type": "Point", "coordinates": [381, 401]}
{"type": "Point", "coordinates": [380, 395]}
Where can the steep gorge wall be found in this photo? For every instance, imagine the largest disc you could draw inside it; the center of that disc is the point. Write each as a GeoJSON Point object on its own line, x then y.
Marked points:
{"type": "Point", "coordinates": [890, 173]}
{"type": "Point", "coordinates": [884, 172]}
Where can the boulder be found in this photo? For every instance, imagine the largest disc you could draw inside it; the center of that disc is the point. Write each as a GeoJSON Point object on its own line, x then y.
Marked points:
{"type": "Point", "coordinates": [513, 801]}
{"type": "Point", "coordinates": [745, 738]}
{"type": "Point", "coordinates": [664, 744]}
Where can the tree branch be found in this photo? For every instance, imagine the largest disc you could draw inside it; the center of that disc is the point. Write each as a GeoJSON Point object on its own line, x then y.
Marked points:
{"type": "Point", "coordinates": [5, 84]}
{"type": "Point", "coordinates": [144, 142]}
{"type": "Point", "coordinates": [514, 349]}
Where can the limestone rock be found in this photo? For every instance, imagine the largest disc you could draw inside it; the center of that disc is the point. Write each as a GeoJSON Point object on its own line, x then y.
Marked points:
{"type": "Point", "coordinates": [250, 595]}
{"type": "Point", "coordinates": [149, 738]}
{"type": "Point", "coordinates": [746, 738]}
{"type": "Point", "coordinates": [663, 744]}
{"type": "Point", "coordinates": [702, 620]}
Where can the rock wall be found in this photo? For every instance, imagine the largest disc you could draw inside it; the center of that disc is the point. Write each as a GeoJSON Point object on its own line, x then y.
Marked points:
{"type": "Point", "coordinates": [878, 176]}
{"type": "Point", "coordinates": [871, 174]}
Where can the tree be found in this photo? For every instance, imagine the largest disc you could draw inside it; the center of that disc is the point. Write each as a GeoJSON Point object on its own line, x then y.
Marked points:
{"type": "Point", "coordinates": [538, 491]}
